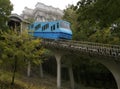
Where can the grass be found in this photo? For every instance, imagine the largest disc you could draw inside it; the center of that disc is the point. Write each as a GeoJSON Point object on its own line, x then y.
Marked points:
{"type": "Point", "coordinates": [24, 82]}
{"type": "Point", "coordinates": [34, 82]}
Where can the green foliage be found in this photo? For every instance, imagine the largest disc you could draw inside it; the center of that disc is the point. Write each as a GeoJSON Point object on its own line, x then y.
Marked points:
{"type": "Point", "coordinates": [102, 36]}
{"type": "Point", "coordinates": [104, 12]}
{"type": "Point", "coordinates": [16, 48]}
{"type": "Point", "coordinates": [95, 20]}
{"type": "Point", "coordinates": [21, 47]}
{"type": "Point", "coordinates": [5, 10]}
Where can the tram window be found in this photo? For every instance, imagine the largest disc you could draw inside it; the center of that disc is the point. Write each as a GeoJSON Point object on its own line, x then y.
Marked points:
{"type": "Point", "coordinates": [37, 26]}
{"type": "Point", "coordinates": [47, 25]}
{"type": "Point", "coordinates": [53, 27]}
{"type": "Point", "coordinates": [32, 26]}
{"type": "Point", "coordinates": [57, 25]}
{"type": "Point", "coordinates": [42, 28]}
{"type": "Point", "coordinates": [64, 25]}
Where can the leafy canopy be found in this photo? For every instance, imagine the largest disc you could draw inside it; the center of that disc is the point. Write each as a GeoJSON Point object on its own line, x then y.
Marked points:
{"type": "Point", "coordinates": [104, 12]}
{"type": "Point", "coordinates": [21, 47]}
{"type": "Point", "coordinates": [5, 10]}
{"type": "Point", "coordinates": [95, 20]}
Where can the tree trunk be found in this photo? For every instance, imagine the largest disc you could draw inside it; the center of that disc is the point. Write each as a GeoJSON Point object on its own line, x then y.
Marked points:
{"type": "Point", "coordinates": [41, 71]}
{"type": "Point", "coordinates": [29, 69]}
{"type": "Point", "coordinates": [14, 71]}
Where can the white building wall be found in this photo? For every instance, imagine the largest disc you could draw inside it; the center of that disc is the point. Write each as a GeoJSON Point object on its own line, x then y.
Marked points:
{"type": "Point", "coordinates": [42, 13]}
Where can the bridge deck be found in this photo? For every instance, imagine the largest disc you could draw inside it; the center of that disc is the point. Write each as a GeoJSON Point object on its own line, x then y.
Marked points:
{"type": "Point", "coordinates": [86, 47]}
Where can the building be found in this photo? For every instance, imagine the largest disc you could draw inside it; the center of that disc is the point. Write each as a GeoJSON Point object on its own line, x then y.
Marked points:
{"type": "Point", "coordinates": [42, 13]}
{"type": "Point", "coordinates": [17, 23]}
{"type": "Point", "coordinates": [27, 13]}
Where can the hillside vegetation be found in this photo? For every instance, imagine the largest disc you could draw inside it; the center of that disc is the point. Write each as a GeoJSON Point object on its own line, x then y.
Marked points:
{"type": "Point", "coordinates": [34, 82]}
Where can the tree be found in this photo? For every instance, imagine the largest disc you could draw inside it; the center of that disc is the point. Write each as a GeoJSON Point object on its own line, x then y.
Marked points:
{"type": "Point", "coordinates": [16, 49]}
{"type": "Point", "coordinates": [104, 12]}
{"type": "Point", "coordinates": [89, 17]}
{"type": "Point", "coordinates": [5, 10]}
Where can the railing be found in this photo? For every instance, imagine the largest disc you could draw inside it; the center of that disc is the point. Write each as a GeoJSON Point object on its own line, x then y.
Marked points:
{"type": "Point", "coordinates": [88, 47]}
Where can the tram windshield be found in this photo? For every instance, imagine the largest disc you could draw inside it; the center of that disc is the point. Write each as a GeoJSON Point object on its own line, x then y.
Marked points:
{"type": "Point", "coordinates": [64, 25]}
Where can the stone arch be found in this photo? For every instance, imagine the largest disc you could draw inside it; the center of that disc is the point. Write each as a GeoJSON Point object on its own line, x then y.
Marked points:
{"type": "Point", "coordinates": [114, 67]}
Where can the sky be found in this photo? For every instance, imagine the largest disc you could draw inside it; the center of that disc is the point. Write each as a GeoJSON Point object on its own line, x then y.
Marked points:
{"type": "Point", "coordinates": [19, 5]}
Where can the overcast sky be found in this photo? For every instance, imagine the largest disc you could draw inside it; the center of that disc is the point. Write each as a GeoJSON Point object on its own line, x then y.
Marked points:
{"type": "Point", "coordinates": [20, 4]}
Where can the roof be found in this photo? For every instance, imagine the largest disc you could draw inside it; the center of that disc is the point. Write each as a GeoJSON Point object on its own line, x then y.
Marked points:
{"type": "Point", "coordinates": [17, 18]}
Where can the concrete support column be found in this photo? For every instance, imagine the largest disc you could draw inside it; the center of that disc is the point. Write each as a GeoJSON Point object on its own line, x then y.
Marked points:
{"type": "Point", "coordinates": [41, 71]}
{"type": "Point", "coordinates": [71, 78]}
{"type": "Point", "coordinates": [58, 60]}
{"type": "Point", "coordinates": [114, 67]}
{"type": "Point", "coordinates": [29, 69]}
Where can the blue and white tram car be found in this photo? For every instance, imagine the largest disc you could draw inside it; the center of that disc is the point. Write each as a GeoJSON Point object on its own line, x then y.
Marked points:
{"type": "Point", "coordinates": [59, 29]}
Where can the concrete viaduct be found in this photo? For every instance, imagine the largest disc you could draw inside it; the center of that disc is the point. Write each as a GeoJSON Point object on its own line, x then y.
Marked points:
{"type": "Point", "coordinates": [109, 56]}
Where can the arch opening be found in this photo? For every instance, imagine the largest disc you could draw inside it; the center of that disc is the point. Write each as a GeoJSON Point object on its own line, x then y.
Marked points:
{"type": "Point", "coordinates": [113, 66]}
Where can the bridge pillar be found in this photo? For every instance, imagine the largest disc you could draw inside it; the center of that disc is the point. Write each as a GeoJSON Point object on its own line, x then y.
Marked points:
{"type": "Point", "coordinates": [72, 83]}
{"type": "Point", "coordinates": [58, 60]}
{"type": "Point", "coordinates": [114, 67]}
